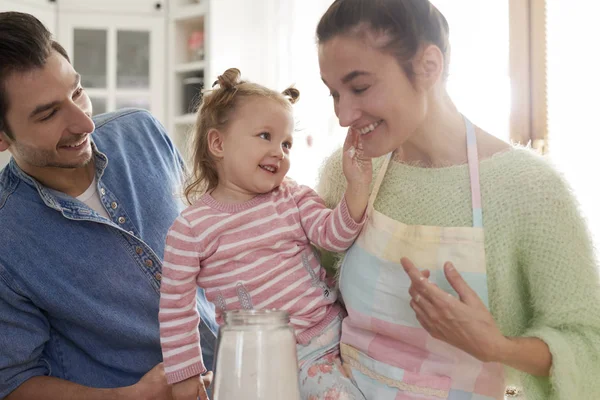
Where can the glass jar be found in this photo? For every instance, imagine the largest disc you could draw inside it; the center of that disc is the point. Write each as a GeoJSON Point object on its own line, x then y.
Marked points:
{"type": "Point", "coordinates": [256, 357]}
{"type": "Point", "coordinates": [196, 46]}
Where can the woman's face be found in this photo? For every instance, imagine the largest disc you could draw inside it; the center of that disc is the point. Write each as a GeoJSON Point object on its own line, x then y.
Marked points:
{"type": "Point", "coordinates": [371, 93]}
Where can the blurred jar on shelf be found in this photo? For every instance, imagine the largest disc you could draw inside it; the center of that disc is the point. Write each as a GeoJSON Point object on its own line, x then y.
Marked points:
{"type": "Point", "coordinates": [196, 46]}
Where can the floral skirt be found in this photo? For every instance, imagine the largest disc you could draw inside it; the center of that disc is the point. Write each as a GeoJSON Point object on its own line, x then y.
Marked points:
{"type": "Point", "coordinates": [321, 375]}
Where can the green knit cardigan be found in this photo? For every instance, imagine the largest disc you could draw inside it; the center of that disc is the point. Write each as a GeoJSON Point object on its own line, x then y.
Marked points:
{"type": "Point", "coordinates": [543, 276]}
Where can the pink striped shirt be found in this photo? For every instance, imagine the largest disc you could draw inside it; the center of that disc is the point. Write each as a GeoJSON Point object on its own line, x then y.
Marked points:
{"type": "Point", "coordinates": [254, 255]}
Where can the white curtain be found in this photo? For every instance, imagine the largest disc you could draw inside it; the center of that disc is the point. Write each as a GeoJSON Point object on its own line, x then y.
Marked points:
{"type": "Point", "coordinates": [573, 92]}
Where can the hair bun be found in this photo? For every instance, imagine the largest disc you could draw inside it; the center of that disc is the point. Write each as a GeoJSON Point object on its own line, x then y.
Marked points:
{"type": "Point", "coordinates": [229, 79]}
{"type": "Point", "coordinates": [292, 94]}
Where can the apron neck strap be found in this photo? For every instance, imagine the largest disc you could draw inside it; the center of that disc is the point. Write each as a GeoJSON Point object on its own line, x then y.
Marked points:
{"type": "Point", "coordinates": [379, 179]}
{"type": "Point", "coordinates": [473, 160]}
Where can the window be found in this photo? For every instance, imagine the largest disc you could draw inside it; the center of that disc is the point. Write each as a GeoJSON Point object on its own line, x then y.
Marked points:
{"type": "Point", "coordinates": [573, 83]}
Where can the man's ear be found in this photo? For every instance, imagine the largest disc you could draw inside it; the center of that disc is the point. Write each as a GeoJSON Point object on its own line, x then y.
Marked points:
{"type": "Point", "coordinates": [4, 141]}
{"type": "Point", "coordinates": [216, 145]}
{"type": "Point", "coordinates": [429, 67]}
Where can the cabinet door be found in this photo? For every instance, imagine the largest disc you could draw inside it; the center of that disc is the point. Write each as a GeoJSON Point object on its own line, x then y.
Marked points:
{"type": "Point", "coordinates": [44, 10]}
{"type": "Point", "coordinates": [120, 58]}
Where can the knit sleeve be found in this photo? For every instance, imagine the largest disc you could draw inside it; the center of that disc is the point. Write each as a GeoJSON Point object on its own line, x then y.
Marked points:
{"type": "Point", "coordinates": [331, 229]}
{"type": "Point", "coordinates": [331, 187]}
{"type": "Point", "coordinates": [558, 262]}
{"type": "Point", "coordinates": [178, 316]}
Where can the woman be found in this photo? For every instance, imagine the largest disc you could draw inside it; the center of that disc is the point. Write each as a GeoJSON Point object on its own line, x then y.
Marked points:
{"type": "Point", "coordinates": [475, 256]}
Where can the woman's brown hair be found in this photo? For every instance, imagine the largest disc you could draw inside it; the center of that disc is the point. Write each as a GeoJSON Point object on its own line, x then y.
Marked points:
{"type": "Point", "coordinates": [408, 25]}
{"type": "Point", "coordinates": [216, 110]}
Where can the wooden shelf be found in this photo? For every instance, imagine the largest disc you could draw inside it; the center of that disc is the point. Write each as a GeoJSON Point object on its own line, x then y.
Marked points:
{"type": "Point", "coordinates": [192, 11]}
{"type": "Point", "coordinates": [190, 67]}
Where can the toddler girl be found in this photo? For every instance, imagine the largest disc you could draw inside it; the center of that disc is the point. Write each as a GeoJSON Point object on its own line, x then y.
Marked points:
{"type": "Point", "coordinates": [246, 238]}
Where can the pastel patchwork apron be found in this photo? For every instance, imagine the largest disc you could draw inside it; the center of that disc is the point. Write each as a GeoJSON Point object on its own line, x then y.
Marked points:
{"type": "Point", "coordinates": [387, 351]}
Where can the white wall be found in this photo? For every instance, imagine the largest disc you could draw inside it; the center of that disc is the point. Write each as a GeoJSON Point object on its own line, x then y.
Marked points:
{"type": "Point", "coordinates": [242, 36]}
{"type": "Point", "coordinates": [273, 43]}
{"type": "Point", "coordinates": [479, 80]}
{"type": "Point", "coordinates": [314, 112]}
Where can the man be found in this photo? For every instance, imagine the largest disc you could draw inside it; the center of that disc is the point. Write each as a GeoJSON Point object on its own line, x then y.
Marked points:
{"type": "Point", "coordinates": [85, 206]}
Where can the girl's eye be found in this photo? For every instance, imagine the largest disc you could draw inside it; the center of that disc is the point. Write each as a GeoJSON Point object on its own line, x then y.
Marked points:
{"type": "Point", "coordinates": [265, 135]}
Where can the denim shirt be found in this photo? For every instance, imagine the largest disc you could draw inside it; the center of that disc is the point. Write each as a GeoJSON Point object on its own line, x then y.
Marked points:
{"type": "Point", "coordinates": [79, 293]}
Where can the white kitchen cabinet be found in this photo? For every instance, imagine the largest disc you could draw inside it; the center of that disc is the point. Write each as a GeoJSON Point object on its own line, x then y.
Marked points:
{"type": "Point", "coordinates": [120, 58]}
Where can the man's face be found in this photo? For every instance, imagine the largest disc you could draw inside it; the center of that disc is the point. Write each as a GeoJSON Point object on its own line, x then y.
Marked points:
{"type": "Point", "coordinates": [49, 117]}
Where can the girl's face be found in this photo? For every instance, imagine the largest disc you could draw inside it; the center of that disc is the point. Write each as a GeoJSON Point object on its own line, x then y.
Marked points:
{"type": "Point", "coordinates": [254, 151]}
{"type": "Point", "coordinates": [371, 93]}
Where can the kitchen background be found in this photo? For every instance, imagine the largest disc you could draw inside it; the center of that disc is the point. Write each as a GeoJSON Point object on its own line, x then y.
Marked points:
{"type": "Point", "coordinates": [525, 70]}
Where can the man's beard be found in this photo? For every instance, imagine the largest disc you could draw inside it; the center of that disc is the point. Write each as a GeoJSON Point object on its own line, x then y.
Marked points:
{"type": "Point", "coordinates": [45, 158]}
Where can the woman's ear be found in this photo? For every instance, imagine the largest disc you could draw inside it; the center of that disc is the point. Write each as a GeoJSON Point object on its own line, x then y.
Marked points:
{"type": "Point", "coordinates": [428, 67]}
{"type": "Point", "coordinates": [216, 145]}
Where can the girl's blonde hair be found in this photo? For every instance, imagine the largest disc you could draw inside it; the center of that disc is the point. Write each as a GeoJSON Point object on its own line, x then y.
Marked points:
{"type": "Point", "coordinates": [216, 112]}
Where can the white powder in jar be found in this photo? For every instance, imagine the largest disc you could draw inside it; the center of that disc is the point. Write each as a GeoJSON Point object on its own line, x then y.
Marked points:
{"type": "Point", "coordinates": [255, 364]}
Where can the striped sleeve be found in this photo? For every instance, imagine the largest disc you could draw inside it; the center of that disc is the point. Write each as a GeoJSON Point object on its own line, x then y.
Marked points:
{"type": "Point", "coordinates": [332, 230]}
{"type": "Point", "coordinates": [178, 315]}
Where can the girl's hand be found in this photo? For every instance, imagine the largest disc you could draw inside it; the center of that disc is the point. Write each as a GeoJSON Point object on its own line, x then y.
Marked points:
{"type": "Point", "coordinates": [357, 168]}
{"type": "Point", "coordinates": [192, 388]}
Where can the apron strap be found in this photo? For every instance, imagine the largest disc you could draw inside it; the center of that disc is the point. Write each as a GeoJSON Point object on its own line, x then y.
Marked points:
{"type": "Point", "coordinates": [378, 180]}
{"type": "Point", "coordinates": [473, 159]}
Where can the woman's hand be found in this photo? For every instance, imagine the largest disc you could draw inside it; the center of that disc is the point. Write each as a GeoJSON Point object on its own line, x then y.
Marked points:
{"type": "Point", "coordinates": [192, 388]}
{"type": "Point", "coordinates": [358, 169]}
{"type": "Point", "coordinates": [463, 322]}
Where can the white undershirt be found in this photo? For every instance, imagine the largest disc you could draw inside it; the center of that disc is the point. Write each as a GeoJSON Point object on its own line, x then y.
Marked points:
{"type": "Point", "coordinates": [92, 199]}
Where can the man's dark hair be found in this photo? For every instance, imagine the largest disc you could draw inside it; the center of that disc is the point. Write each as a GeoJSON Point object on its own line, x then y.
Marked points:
{"type": "Point", "coordinates": [25, 44]}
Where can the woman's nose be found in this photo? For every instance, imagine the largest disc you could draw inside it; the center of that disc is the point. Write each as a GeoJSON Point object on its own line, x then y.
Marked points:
{"type": "Point", "coordinates": [347, 112]}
